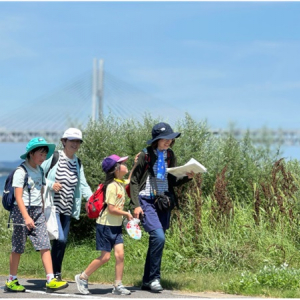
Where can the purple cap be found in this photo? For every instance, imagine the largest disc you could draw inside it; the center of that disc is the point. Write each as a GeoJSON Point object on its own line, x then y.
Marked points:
{"type": "Point", "coordinates": [109, 162]}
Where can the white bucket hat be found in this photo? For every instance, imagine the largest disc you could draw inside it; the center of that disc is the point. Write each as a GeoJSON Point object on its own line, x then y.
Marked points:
{"type": "Point", "coordinates": [72, 134]}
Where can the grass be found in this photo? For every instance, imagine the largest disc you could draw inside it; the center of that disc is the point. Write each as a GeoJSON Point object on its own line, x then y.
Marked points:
{"type": "Point", "coordinates": [78, 256]}
{"type": "Point", "coordinates": [218, 266]}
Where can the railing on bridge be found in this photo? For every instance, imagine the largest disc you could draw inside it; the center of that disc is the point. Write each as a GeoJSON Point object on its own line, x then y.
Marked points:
{"type": "Point", "coordinates": [264, 135]}
{"type": "Point", "coordinates": [283, 137]}
{"type": "Point", "coordinates": [25, 136]}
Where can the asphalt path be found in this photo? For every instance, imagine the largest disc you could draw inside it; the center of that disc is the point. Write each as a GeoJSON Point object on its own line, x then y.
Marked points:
{"type": "Point", "coordinates": [35, 289]}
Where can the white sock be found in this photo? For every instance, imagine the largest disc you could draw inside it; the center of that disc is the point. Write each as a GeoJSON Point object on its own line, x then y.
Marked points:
{"type": "Point", "coordinates": [118, 282]}
{"type": "Point", "coordinates": [83, 276]}
{"type": "Point", "coordinates": [11, 277]}
{"type": "Point", "coordinates": [49, 277]}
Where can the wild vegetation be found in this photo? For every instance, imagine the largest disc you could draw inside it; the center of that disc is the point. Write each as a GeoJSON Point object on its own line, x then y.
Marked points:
{"type": "Point", "coordinates": [237, 228]}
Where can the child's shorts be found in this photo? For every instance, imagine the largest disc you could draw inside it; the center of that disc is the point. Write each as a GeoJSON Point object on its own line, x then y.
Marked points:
{"type": "Point", "coordinates": [107, 237]}
{"type": "Point", "coordinates": [38, 236]}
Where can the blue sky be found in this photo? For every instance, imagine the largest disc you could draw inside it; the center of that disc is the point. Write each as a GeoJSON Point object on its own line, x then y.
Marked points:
{"type": "Point", "coordinates": [220, 61]}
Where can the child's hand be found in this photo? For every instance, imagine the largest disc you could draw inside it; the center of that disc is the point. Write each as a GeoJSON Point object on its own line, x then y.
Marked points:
{"type": "Point", "coordinates": [136, 158]}
{"type": "Point", "coordinates": [129, 216]}
{"type": "Point", "coordinates": [29, 223]}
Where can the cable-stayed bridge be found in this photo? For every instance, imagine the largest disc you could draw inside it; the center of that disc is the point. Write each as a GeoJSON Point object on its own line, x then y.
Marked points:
{"type": "Point", "coordinates": [94, 94]}
{"type": "Point", "coordinates": [77, 102]}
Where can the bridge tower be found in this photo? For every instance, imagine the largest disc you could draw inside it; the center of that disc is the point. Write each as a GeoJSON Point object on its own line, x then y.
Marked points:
{"type": "Point", "coordinates": [97, 89]}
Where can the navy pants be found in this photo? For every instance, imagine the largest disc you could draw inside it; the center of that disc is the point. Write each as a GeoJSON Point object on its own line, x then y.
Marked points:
{"type": "Point", "coordinates": [154, 255]}
{"type": "Point", "coordinates": [59, 245]}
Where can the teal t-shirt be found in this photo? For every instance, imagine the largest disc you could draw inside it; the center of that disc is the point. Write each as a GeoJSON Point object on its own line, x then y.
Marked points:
{"type": "Point", "coordinates": [36, 180]}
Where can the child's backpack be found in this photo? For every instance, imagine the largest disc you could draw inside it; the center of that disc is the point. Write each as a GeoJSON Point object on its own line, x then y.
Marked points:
{"type": "Point", "coordinates": [95, 204]}
{"type": "Point", "coordinates": [8, 197]}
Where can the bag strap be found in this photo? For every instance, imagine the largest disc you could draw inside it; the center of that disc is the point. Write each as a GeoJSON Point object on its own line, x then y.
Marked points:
{"type": "Point", "coordinates": [53, 161]}
{"type": "Point", "coordinates": [105, 204]}
{"type": "Point", "coordinates": [26, 183]}
{"type": "Point", "coordinates": [155, 185]}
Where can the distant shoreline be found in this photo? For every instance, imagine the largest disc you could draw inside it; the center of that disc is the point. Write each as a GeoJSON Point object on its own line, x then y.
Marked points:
{"type": "Point", "coordinates": [4, 174]}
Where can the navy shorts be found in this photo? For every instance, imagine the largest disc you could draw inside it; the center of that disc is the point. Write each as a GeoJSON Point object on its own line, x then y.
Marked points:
{"type": "Point", "coordinates": [107, 237]}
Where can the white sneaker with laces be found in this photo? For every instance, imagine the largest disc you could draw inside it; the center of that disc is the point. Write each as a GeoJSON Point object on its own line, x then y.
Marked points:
{"type": "Point", "coordinates": [120, 290]}
{"type": "Point", "coordinates": [82, 285]}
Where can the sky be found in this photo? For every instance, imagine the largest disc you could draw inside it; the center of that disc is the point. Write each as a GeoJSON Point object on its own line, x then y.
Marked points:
{"type": "Point", "coordinates": [219, 61]}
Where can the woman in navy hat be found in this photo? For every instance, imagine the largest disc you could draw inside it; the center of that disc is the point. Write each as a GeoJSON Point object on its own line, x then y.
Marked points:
{"type": "Point", "coordinates": [149, 179]}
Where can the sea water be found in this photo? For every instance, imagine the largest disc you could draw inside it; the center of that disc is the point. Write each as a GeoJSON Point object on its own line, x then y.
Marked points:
{"type": "Point", "coordinates": [2, 181]}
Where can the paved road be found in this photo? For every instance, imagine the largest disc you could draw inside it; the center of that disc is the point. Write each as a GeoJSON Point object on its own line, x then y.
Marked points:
{"type": "Point", "coordinates": [35, 289]}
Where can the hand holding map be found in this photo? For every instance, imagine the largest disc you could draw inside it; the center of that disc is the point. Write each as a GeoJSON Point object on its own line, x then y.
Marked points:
{"type": "Point", "coordinates": [191, 166]}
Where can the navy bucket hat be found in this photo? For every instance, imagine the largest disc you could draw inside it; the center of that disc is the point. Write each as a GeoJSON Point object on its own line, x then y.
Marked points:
{"type": "Point", "coordinates": [163, 131]}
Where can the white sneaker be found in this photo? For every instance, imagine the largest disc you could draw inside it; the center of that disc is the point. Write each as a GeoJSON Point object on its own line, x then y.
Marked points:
{"type": "Point", "coordinates": [120, 290]}
{"type": "Point", "coordinates": [155, 286]}
{"type": "Point", "coordinates": [82, 285]}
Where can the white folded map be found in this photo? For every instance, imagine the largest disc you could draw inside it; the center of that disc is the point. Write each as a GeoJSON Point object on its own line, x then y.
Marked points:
{"type": "Point", "coordinates": [191, 165]}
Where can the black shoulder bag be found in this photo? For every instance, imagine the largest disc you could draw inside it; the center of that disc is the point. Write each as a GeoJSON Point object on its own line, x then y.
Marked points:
{"type": "Point", "coordinates": [164, 202]}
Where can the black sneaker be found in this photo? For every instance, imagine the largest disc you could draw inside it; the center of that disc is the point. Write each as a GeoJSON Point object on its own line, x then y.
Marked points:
{"type": "Point", "coordinates": [58, 276]}
{"type": "Point", "coordinates": [145, 287]}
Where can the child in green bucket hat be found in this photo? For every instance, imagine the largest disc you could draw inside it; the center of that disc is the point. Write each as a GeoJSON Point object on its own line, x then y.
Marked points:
{"type": "Point", "coordinates": [28, 215]}
{"type": "Point", "coordinates": [38, 142]}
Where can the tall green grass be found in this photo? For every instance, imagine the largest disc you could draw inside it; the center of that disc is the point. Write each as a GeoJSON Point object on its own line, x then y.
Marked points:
{"type": "Point", "coordinates": [236, 221]}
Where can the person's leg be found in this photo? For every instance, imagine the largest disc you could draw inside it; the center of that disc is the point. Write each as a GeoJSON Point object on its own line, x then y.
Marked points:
{"type": "Point", "coordinates": [14, 261]}
{"type": "Point", "coordinates": [19, 237]}
{"type": "Point", "coordinates": [119, 256]}
{"type": "Point", "coordinates": [154, 255]}
{"type": "Point", "coordinates": [146, 279]}
{"type": "Point", "coordinates": [103, 244]}
{"type": "Point", "coordinates": [119, 288]}
{"type": "Point", "coordinates": [82, 279]}
{"type": "Point", "coordinates": [97, 263]}
{"type": "Point", "coordinates": [52, 283]}
{"type": "Point", "coordinates": [47, 262]}
{"type": "Point", "coordinates": [59, 246]}
{"type": "Point", "coordinates": [12, 284]}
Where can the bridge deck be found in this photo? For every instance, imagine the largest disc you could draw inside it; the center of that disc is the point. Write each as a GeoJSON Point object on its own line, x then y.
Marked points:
{"type": "Point", "coordinates": [284, 137]}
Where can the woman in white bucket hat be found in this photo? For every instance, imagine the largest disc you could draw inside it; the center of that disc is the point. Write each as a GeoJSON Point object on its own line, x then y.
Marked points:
{"type": "Point", "coordinates": [66, 180]}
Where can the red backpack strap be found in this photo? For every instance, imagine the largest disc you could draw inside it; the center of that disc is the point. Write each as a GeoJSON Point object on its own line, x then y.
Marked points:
{"type": "Point", "coordinates": [169, 157]}
{"type": "Point", "coordinates": [147, 158]}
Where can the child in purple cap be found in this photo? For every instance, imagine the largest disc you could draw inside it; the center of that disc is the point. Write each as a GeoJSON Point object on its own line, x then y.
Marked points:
{"type": "Point", "coordinates": [109, 225]}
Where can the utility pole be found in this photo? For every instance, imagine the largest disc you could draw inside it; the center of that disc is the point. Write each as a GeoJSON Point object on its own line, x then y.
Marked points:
{"type": "Point", "coordinates": [97, 89]}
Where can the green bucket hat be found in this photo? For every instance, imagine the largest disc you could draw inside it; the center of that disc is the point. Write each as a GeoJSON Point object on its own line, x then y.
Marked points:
{"type": "Point", "coordinates": [38, 142]}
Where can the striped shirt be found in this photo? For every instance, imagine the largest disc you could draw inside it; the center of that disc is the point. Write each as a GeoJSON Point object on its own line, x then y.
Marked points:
{"type": "Point", "coordinates": [162, 185]}
{"type": "Point", "coordinates": [67, 176]}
